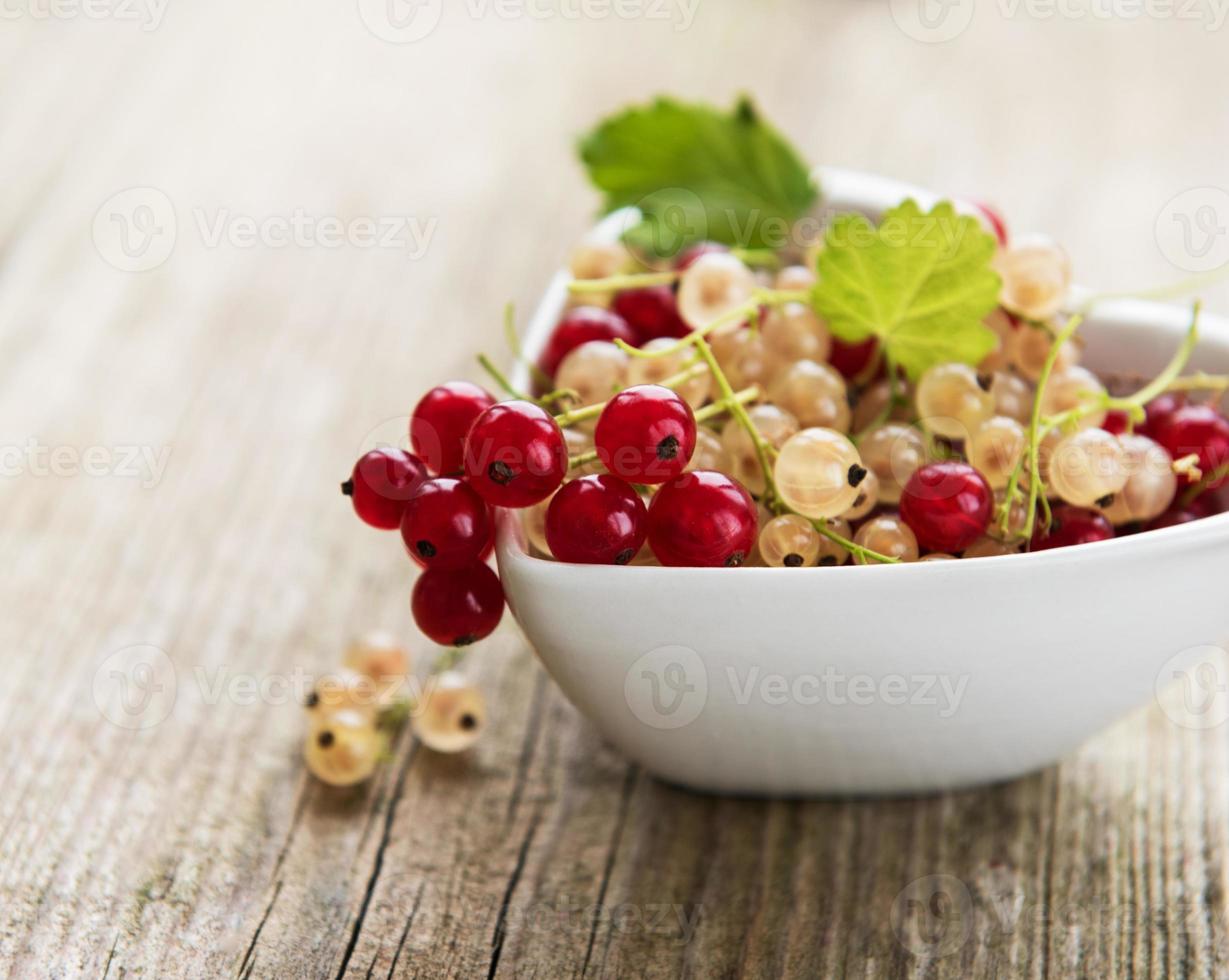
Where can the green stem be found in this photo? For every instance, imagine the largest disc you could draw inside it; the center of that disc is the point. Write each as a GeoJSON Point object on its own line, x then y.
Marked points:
{"type": "Point", "coordinates": [1193, 491]}
{"type": "Point", "coordinates": [614, 284]}
{"type": "Point", "coordinates": [514, 344]}
{"type": "Point", "coordinates": [501, 379]}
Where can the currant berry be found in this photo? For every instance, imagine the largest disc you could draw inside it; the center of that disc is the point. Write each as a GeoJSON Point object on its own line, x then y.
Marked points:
{"type": "Point", "coordinates": [988, 547]}
{"type": "Point", "coordinates": [646, 434]}
{"type": "Point", "coordinates": [789, 541]}
{"type": "Point", "coordinates": [451, 715]}
{"type": "Point", "coordinates": [888, 535]}
{"type": "Point", "coordinates": [1029, 347]}
{"type": "Point", "coordinates": [515, 454]}
{"type": "Point", "coordinates": [953, 400]}
{"type": "Point", "coordinates": [947, 506]}
{"type": "Point", "coordinates": [1088, 467]}
{"type": "Point", "coordinates": [874, 406]}
{"type": "Point", "coordinates": [456, 607]}
{"type": "Point", "coordinates": [1151, 482]}
{"type": "Point", "coordinates": [710, 454]}
{"type": "Point", "coordinates": [651, 312]}
{"type": "Point", "coordinates": [795, 277]}
{"type": "Point", "coordinates": [996, 448]}
{"type": "Point", "coordinates": [711, 286]}
{"type": "Point", "coordinates": [702, 519]}
{"type": "Point", "coordinates": [441, 420]}
{"type": "Point", "coordinates": [446, 524]}
{"type": "Point", "coordinates": [596, 520]}
{"type": "Point", "coordinates": [866, 500]}
{"type": "Point", "coordinates": [831, 552]}
{"type": "Point", "coordinates": [1173, 517]}
{"type": "Point", "coordinates": [1116, 422]}
{"type": "Point", "coordinates": [655, 370]}
{"type": "Point", "coordinates": [1002, 324]}
{"type": "Point", "coordinates": [595, 370]}
{"type": "Point", "coordinates": [378, 655]}
{"type": "Point", "coordinates": [1036, 277]}
{"type": "Point", "coordinates": [1158, 411]}
{"type": "Point", "coordinates": [775, 426]}
{"type": "Point", "coordinates": [1013, 396]}
{"type": "Point", "coordinates": [744, 358]}
{"type": "Point", "coordinates": [814, 394]}
{"type": "Point", "coordinates": [892, 452]}
{"type": "Point", "coordinates": [1075, 387]}
{"type": "Point", "coordinates": [937, 556]}
{"type": "Point", "coordinates": [343, 749]}
{"type": "Point", "coordinates": [1202, 430]}
{"type": "Point", "coordinates": [344, 690]}
{"type": "Point", "coordinates": [793, 332]}
{"type": "Point", "coordinates": [381, 483]}
{"type": "Point", "coordinates": [1070, 526]}
{"type": "Point", "coordinates": [853, 359]}
{"type": "Point", "coordinates": [818, 473]}
{"type": "Point", "coordinates": [593, 259]}
{"type": "Point", "coordinates": [578, 326]}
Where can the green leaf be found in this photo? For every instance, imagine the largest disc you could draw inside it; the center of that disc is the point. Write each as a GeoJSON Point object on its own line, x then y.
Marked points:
{"type": "Point", "coordinates": [696, 172]}
{"type": "Point", "coordinates": [920, 282]}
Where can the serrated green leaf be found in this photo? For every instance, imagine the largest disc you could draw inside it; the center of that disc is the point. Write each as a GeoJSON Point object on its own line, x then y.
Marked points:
{"type": "Point", "coordinates": [696, 172]}
{"type": "Point", "coordinates": [921, 282]}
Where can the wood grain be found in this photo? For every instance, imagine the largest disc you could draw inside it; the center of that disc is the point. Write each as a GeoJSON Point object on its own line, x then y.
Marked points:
{"type": "Point", "coordinates": [198, 847]}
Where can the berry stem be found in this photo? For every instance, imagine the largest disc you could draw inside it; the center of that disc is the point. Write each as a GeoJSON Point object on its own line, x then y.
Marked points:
{"type": "Point", "coordinates": [1207, 480]}
{"type": "Point", "coordinates": [509, 389]}
{"type": "Point", "coordinates": [514, 344]}
{"type": "Point", "coordinates": [757, 258]}
{"type": "Point", "coordinates": [614, 284]}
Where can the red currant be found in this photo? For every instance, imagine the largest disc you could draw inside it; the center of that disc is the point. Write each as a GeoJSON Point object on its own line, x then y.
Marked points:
{"type": "Point", "coordinates": [1072, 525]}
{"type": "Point", "coordinates": [441, 420]}
{"type": "Point", "coordinates": [515, 454]}
{"type": "Point", "coordinates": [852, 359]}
{"type": "Point", "coordinates": [446, 524]}
{"type": "Point", "coordinates": [1173, 517]}
{"type": "Point", "coordinates": [651, 313]}
{"type": "Point", "coordinates": [646, 434]}
{"type": "Point", "coordinates": [1158, 411]}
{"type": "Point", "coordinates": [1116, 422]}
{"type": "Point", "coordinates": [456, 607]}
{"type": "Point", "coordinates": [1202, 430]}
{"type": "Point", "coordinates": [994, 220]}
{"type": "Point", "coordinates": [579, 326]}
{"type": "Point", "coordinates": [947, 505]}
{"type": "Point", "coordinates": [692, 254]}
{"type": "Point", "coordinates": [381, 483]}
{"type": "Point", "coordinates": [703, 519]}
{"type": "Point", "coordinates": [596, 520]}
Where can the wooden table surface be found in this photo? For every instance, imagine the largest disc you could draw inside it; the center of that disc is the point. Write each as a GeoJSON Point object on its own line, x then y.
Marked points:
{"type": "Point", "coordinates": [173, 439]}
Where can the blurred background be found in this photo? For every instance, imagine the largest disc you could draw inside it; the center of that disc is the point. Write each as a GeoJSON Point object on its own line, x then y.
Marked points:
{"type": "Point", "coordinates": [238, 240]}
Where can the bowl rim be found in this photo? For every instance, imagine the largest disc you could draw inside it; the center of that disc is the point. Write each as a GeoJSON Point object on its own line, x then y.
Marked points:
{"type": "Point", "coordinates": [871, 191]}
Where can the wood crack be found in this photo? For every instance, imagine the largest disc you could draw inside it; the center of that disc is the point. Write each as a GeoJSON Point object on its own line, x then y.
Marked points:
{"type": "Point", "coordinates": [497, 939]}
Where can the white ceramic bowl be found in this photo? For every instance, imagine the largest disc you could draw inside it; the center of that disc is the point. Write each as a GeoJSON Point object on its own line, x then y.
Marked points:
{"type": "Point", "coordinates": [882, 679]}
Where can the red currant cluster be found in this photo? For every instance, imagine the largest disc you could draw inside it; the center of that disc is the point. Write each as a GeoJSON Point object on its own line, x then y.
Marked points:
{"type": "Point", "coordinates": [702, 414]}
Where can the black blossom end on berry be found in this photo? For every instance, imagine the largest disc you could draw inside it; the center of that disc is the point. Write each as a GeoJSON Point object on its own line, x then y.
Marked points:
{"type": "Point", "coordinates": [500, 472]}
{"type": "Point", "coordinates": [735, 560]}
{"type": "Point", "coordinates": [425, 549]}
{"type": "Point", "coordinates": [464, 641]}
{"type": "Point", "coordinates": [347, 488]}
{"type": "Point", "coordinates": [311, 700]}
{"type": "Point", "coordinates": [467, 722]}
{"type": "Point", "coordinates": [828, 560]}
{"type": "Point", "coordinates": [792, 561]}
{"type": "Point", "coordinates": [624, 556]}
{"type": "Point", "coordinates": [985, 380]}
{"type": "Point", "coordinates": [668, 448]}
{"type": "Point", "coordinates": [856, 475]}
{"type": "Point", "coordinates": [1105, 501]}
{"type": "Point", "coordinates": [325, 740]}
